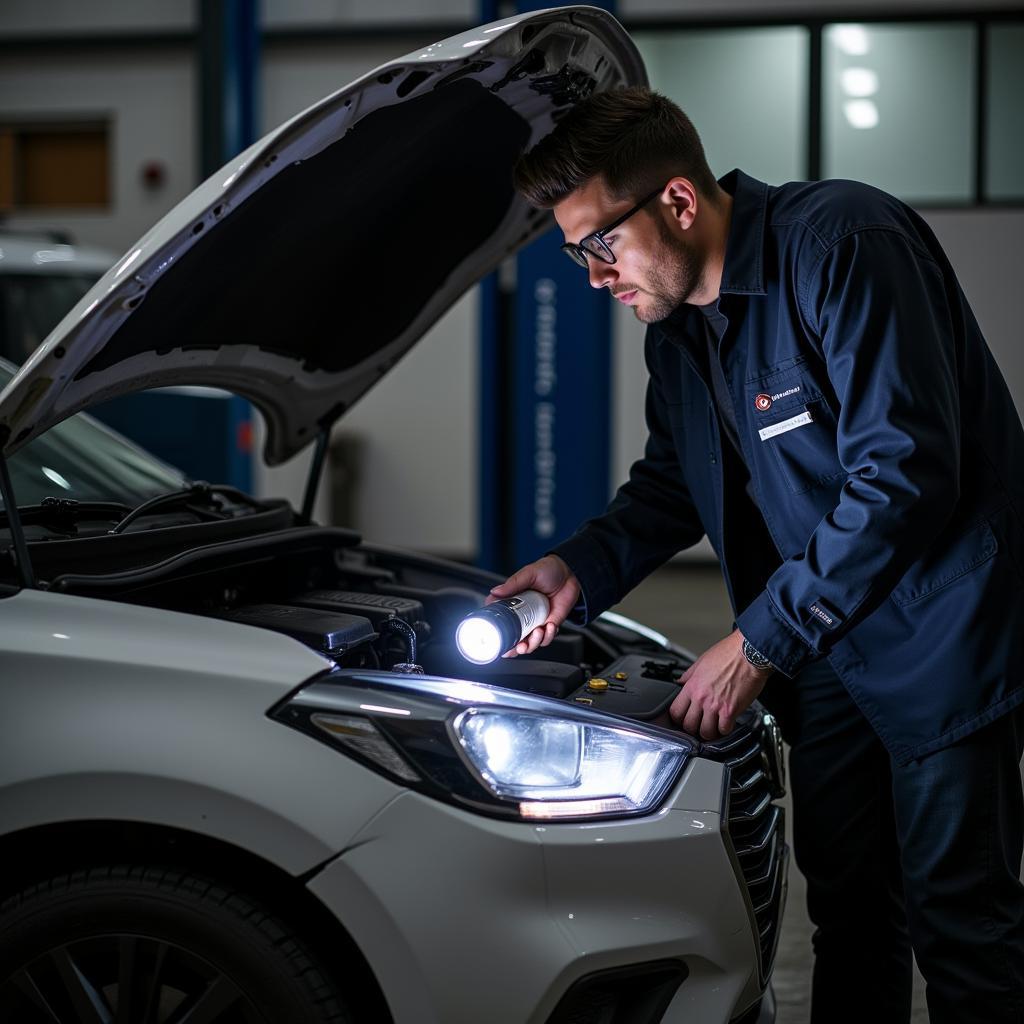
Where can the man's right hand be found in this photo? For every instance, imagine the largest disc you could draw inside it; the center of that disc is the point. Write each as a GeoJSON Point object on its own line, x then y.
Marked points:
{"type": "Point", "coordinates": [552, 577]}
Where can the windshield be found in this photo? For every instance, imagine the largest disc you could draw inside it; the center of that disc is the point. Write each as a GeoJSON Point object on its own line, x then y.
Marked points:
{"type": "Point", "coordinates": [31, 305]}
{"type": "Point", "coordinates": [83, 460]}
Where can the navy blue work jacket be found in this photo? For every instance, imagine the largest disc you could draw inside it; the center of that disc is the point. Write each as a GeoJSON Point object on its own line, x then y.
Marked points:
{"type": "Point", "coordinates": [884, 452]}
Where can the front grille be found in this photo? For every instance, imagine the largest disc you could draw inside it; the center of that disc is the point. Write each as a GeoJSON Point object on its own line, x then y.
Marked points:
{"type": "Point", "coordinates": [756, 831]}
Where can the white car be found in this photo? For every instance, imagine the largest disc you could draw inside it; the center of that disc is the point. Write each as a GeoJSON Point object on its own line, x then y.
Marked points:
{"type": "Point", "coordinates": [227, 794]}
{"type": "Point", "coordinates": [41, 277]}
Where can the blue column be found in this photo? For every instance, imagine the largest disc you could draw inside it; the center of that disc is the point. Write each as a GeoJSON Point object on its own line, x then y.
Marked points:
{"type": "Point", "coordinates": [545, 399]}
{"type": "Point", "coordinates": [229, 71]}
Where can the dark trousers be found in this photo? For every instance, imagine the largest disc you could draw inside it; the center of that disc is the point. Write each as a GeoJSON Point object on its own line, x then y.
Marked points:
{"type": "Point", "coordinates": [926, 857]}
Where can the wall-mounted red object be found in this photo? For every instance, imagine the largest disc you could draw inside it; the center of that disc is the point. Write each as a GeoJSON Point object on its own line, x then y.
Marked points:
{"type": "Point", "coordinates": [153, 174]}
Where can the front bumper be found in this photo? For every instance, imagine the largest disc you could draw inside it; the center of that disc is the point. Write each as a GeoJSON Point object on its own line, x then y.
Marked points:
{"type": "Point", "coordinates": [465, 918]}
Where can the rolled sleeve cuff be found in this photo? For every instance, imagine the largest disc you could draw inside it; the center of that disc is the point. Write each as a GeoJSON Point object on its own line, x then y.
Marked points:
{"type": "Point", "coordinates": [598, 587]}
{"type": "Point", "coordinates": [773, 636]}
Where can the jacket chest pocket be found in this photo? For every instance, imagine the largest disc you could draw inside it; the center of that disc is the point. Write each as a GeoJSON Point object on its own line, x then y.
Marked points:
{"type": "Point", "coordinates": [792, 420]}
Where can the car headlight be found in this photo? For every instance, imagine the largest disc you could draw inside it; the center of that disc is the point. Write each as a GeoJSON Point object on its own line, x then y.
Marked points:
{"type": "Point", "coordinates": [559, 768]}
{"type": "Point", "coordinates": [494, 751]}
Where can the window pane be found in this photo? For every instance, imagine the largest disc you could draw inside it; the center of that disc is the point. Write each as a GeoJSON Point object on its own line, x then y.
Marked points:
{"type": "Point", "coordinates": [898, 108]}
{"type": "Point", "coordinates": [756, 119]}
{"type": "Point", "coordinates": [1005, 126]}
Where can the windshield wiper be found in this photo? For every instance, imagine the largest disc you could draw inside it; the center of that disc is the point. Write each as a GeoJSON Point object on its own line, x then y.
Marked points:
{"type": "Point", "coordinates": [63, 514]}
{"type": "Point", "coordinates": [199, 491]}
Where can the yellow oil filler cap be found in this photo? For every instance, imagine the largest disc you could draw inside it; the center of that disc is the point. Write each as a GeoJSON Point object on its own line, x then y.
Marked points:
{"type": "Point", "coordinates": [621, 675]}
{"type": "Point", "coordinates": [597, 685]}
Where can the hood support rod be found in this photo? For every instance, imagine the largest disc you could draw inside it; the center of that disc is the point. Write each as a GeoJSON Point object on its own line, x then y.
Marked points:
{"type": "Point", "coordinates": [21, 556]}
{"type": "Point", "coordinates": [316, 471]}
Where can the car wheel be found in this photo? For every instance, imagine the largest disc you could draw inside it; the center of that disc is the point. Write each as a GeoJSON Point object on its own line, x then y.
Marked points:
{"type": "Point", "coordinates": [143, 945]}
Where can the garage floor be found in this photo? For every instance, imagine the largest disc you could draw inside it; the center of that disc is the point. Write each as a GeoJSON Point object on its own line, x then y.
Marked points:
{"type": "Point", "coordinates": [689, 603]}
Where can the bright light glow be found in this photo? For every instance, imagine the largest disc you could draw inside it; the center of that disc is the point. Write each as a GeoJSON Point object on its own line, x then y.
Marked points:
{"type": "Point", "coordinates": [478, 640]}
{"type": "Point", "coordinates": [563, 768]}
{"type": "Point", "coordinates": [127, 262]}
{"type": "Point", "coordinates": [461, 690]}
{"type": "Point", "coordinates": [59, 254]}
{"type": "Point", "coordinates": [626, 623]}
{"type": "Point", "coordinates": [61, 636]}
{"type": "Point", "coordinates": [383, 710]}
{"type": "Point", "coordinates": [473, 42]}
{"type": "Point", "coordinates": [861, 113]}
{"type": "Point", "coordinates": [500, 28]}
{"type": "Point", "coordinates": [575, 808]}
{"type": "Point", "coordinates": [55, 477]}
{"type": "Point", "coordinates": [858, 81]}
{"type": "Point", "coordinates": [851, 39]}
{"type": "Point", "coordinates": [498, 747]}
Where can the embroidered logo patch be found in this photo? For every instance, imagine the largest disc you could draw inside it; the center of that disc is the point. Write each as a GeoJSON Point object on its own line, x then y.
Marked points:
{"type": "Point", "coordinates": [823, 615]}
{"type": "Point", "coordinates": [763, 403]}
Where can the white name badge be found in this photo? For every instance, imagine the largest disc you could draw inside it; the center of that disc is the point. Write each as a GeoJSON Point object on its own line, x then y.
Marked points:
{"type": "Point", "coordinates": [780, 428]}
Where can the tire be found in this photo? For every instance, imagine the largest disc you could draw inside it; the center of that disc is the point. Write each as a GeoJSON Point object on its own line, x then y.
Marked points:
{"type": "Point", "coordinates": [144, 945]}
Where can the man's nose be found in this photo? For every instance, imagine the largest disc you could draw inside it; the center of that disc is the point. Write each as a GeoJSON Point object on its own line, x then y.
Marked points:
{"type": "Point", "coordinates": [600, 273]}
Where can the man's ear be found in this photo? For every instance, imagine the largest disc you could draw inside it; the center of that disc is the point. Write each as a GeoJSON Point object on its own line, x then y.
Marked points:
{"type": "Point", "coordinates": [681, 199]}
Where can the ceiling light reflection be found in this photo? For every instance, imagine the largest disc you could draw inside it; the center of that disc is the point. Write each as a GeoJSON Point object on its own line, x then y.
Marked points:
{"type": "Point", "coordinates": [851, 39]}
{"type": "Point", "coordinates": [55, 477]}
{"type": "Point", "coordinates": [859, 81]}
{"type": "Point", "coordinates": [861, 113]}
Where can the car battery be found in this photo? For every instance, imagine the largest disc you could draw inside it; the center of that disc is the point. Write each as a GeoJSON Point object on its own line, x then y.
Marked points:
{"type": "Point", "coordinates": [378, 608]}
{"type": "Point", "coordinates": [635, 686]}
{"type": "Point", "coordinates": [329, 632]}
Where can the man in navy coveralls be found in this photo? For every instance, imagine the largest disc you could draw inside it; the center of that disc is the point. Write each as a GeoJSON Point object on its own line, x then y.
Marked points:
{"type": "Point", "coordinates": [823, 406]}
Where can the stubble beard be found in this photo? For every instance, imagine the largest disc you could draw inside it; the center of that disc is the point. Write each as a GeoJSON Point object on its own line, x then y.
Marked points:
{"type": "Point", "coordinates": [675, 272]}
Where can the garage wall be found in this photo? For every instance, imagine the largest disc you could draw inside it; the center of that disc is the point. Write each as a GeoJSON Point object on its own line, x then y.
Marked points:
{"type": "Point", "coordinates": [418, 482]}
{"type": "Point", "coordinates": [150, 103]}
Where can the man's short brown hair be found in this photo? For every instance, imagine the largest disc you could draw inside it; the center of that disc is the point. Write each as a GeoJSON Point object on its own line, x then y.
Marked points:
{"type": "Point", "coordinates": [636, 139]}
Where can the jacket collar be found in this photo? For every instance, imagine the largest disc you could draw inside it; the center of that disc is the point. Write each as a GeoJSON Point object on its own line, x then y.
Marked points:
{"type": "Point", "coordinates": [743, 270]}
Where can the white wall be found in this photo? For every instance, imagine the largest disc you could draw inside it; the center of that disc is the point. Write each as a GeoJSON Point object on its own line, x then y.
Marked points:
{"type": "Point", "coordinates": [307, 13]}
{"type": "Point", "coordinates": [49, 17]}
{"type": "Point", "coordinates": [150, 101]}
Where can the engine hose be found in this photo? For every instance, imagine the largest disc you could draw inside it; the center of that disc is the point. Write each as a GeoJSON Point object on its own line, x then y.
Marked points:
{"type": "Point", "coordinates": [406, 632]}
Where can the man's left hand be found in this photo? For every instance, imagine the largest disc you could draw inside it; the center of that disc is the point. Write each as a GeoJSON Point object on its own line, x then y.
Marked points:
{"type": "Point", "coordinates": [719, 686]}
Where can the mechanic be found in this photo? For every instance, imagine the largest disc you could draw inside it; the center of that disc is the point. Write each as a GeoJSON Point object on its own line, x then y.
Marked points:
{"type": "Point", "coordinates": [823, 406]}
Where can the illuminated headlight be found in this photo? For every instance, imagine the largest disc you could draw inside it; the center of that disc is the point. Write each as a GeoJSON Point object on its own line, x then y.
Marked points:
{"type": "Point", "coordinates": [564, 768]}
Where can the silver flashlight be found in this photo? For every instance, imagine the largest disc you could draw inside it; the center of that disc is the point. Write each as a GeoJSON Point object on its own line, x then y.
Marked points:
{"type": "Point", "coordinates": [486, 634]}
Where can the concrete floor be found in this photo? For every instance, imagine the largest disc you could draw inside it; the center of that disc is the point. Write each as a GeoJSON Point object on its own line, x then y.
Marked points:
{"type": "Point", "coordinates": [688, 603]}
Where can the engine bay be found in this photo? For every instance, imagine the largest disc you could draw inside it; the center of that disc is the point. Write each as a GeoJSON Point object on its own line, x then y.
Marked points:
{"type": "Point", "coordinates": [367, 607]}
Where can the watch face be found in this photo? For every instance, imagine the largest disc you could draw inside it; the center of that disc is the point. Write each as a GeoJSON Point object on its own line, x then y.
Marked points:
{"type": "Point", "coordinates": [754, 656]}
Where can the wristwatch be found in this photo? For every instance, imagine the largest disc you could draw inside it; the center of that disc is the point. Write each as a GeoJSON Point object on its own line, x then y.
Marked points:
{"type": "Point", "coordinates": [755, 657]}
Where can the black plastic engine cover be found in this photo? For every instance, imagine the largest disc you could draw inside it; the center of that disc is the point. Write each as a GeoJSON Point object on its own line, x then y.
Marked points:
{"type": "Point", "coordinates": [330, 632]}
{"type": "Point", "coordinates": [377, 608]}
{"type": "Point", "coordinates": [548, 678]}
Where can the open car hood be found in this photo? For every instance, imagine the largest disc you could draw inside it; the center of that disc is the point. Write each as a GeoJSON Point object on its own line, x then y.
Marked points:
{"type": "Point", "coordinates": [303, 270]}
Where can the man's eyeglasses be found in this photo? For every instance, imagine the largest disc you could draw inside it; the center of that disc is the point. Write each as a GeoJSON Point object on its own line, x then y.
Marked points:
{"type": "Point", "coordinates": [594, 243]}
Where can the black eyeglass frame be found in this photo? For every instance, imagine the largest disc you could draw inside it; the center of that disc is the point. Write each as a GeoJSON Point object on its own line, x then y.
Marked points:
{"type": "Point", "coordinates": [578, 251]}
